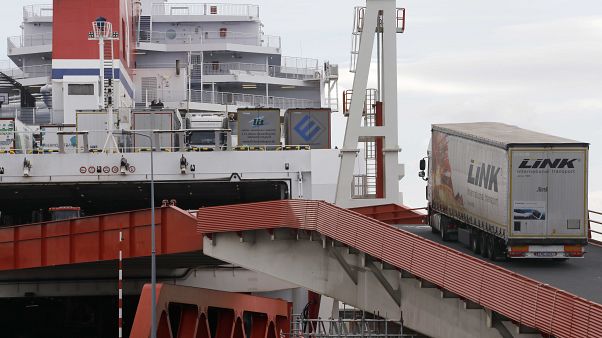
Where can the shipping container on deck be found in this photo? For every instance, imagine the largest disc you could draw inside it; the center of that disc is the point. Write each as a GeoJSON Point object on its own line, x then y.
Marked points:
{"type": "Point", "coordinates": [308, 127]}
{"type": "Point", "coordinates": [95, 123]}
{"type": "Point", "coordinates": [258, 127]}
{"type": "Point", "coordinates": [145, 121]}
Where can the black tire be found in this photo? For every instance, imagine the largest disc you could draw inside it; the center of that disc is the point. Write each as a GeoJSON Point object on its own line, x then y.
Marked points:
{"type": "Point", "coordinates": [491, 247]}
{"type": "Point", "coordinates": [444, 231]}
{"type": "Point", "coordinates": [475, 243]}
{"type": "Point", "coordinates": [483, 243]}
{"type": "Point", "coordinates": [494, 249]}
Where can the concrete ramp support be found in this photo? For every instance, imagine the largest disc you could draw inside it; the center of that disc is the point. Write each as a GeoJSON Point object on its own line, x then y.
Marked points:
{"type": "Point", "coordinates": [433, 289]}
{"type": "Point", "coordinates": [325, 266]}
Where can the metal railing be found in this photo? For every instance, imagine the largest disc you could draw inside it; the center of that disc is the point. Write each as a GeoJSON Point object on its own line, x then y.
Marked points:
{"type": "Point", "coordinates": [225, 98]}
{"type": "Point", "coordinates": [28, 71]}
{"type": "Point", "coordinates": [250, 100]}
{"type": "Point", "coordinates": [66, 139]}
{"type": "Point", "coordinates": [202, 37]}
{"type": "Point", "coordinates": [37, 11]}
{"type": "Point", "coordinates": [261, 69]}
{"type": "Point", "coordinates": [29, 116]}
{"type": "Point", "coordinates": [299, 62]}
{"type": "Point", "coordinates": [30, 40]}
{"type": "Point", "coordinates": [206, 9]}
{"type": "Point", "coordinates": [345, 328]}
{"type": "Point", "coordinates": [595, 227]}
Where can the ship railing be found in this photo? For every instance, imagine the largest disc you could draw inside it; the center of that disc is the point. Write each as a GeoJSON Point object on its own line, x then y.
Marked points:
{"type": "Point", "coordinates": [28, 71]}
{"type": "Point", "coordinates": [595, 227]}
{"type": "Point", "coordinates": [299, 62]}
{"type": "Point", "coordinates": [30, 40]}
{"type": "Point", "coordinates": [251, 100]}
{"type": "Point", "coordinates": [57, 139]}
{"type": "Point", "coordinates": [37, 11]}
{"type": "Point", "coordinates": [208, 37]}
{"type": "Point", "coordinates": [224, 9]}
{"type": "Point", "coordinates": [28, 116]}
{"type": "Point", "coordinates": [170, 97]}
{"type": "Point", "coordinates": [233, 68]}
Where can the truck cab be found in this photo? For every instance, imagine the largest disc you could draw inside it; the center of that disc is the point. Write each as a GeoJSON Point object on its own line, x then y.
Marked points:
{"type": "Point", "coordinates": [206, 130]}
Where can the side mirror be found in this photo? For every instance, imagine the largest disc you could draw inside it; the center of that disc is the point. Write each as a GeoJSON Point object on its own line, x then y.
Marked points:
{"type": "Point", "coordinates": [421, 174]}
{"type": "Point", "coordinates": [422, 164]}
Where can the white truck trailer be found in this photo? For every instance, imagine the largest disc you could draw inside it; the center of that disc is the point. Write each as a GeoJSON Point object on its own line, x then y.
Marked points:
{"type": "Point", "coordinates": [508, 192]}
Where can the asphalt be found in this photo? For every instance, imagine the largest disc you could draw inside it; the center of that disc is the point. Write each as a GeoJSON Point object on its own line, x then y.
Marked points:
{"type": "Point", "coordinates": [579, 276]}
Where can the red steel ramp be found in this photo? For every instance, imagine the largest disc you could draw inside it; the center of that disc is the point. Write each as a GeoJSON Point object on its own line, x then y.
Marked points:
{"type": "Point", "coordinates": [192, 309]}
{"type": "Point", "coordinates": [96, 238]}
{"type": "Point", "coordinates": [516, 298]}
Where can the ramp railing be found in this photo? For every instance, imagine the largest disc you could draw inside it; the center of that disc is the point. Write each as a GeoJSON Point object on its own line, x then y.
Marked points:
{"type": "Point", "coordinates": [520, 299]}
{"type": "Point", "coordinates": [595, 227]}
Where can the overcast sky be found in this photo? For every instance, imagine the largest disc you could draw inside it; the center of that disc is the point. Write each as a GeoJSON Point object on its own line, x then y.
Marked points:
{"type": "Point", "coordinates": [536, 64]}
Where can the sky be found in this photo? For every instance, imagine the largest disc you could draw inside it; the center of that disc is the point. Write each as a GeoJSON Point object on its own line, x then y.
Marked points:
{"type": "Point", "coordinates": [536, 64]}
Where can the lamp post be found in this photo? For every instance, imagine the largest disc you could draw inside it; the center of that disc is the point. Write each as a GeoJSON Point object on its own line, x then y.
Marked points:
{"type": "Point", "coordinates": [153, 246]}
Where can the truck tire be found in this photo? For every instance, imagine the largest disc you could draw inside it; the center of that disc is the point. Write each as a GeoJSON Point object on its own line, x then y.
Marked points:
{"type": "Point", "coordinates": [493, 251]}
{"type": "Point", "coordinates": [444, 231]}
{"type": "Point", "coordinates": [475, 243]}
{"type": "Point", "coordinates": [483, 243]}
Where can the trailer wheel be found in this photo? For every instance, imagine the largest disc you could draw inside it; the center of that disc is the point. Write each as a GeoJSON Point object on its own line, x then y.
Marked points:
{"type": "Point", "coordinates": [475, 243]}
{"type": "Point", "coordinates": [444, 232]}
{"type": "Point", "coordinates": [483, 243]}
{"type": "Point", "coordinates": [493, 251]}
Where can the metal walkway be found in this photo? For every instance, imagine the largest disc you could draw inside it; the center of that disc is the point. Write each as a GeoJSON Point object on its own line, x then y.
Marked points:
{"type": "Point", "coordinates": [234, 234]}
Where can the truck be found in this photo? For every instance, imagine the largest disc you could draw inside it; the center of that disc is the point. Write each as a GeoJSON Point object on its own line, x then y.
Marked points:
{"type": "Point", "coordinates": [206, 130]}
{"type": "Point", "coordinates": [507, 192]}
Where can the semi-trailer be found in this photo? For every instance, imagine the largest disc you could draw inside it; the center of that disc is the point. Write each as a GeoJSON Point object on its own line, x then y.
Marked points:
{"type": "Point", "coordinates": [507, 192]}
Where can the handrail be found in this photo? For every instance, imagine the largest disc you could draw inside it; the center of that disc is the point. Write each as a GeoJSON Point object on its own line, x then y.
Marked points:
{"type": "Point", "coordinates": [253, 39]}
{"type": "Point", "coordinates": [522, 300]}
{"type": "Point", "coordinates": [595, 232]}
{"type": "Point", "coordinates": [173, 8]}
{"type": "Point", "coordinates": [37, 10]}
{"type": "Point", "coordinates": [267, 70]}
{"type": "Point", "coordinates": [250, 100]}
{"type": "Point", "coordinates": [30, 40]}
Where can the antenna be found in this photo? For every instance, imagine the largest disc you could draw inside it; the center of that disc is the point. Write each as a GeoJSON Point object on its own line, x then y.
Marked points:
{"type": "Point", "coordinates": [102, 31]}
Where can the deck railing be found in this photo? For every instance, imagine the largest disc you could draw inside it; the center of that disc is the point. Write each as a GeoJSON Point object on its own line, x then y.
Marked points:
{"type": "Point", "coordinates": [250, 100]}
{"type": "Point", "coordinates": [30, 40]}
{"type": "Point", "coordinates": [261, 69]}
{"type": "Point", "coordinates": [206, 9]}
{"type": "Point", "coordinates": [202, 37]}
{"type": "Point", "coordinates": [37, 11]}
{"type": "Point", "coordinates": [595, 227]}
{"type": "Point", "coordinates": [28, 71]}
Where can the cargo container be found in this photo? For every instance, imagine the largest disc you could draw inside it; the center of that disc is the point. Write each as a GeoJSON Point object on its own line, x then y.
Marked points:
{"type": "Point", "coordinates": [258, 127]}
{"type": "Point", "coordinates": [95, 123]}
{"type": "Point", "coordinates": [15, 137]}
{"type": "Point", "coordinates": [507, 191]}
{"type": "Point", "coordinates": [144, 121]}
{"type": "Point", "coordinates": [307, 127]}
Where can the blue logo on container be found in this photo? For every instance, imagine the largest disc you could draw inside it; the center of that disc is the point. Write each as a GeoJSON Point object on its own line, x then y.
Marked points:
{"type": "Point", "coordinates": [308, 128]}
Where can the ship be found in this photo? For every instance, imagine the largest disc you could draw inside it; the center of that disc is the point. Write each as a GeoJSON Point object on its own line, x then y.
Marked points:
{"type": "Point", "coordinates": [112, 107]}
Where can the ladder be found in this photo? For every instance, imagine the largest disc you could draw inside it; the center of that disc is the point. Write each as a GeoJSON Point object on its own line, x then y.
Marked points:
{"type": "Point", "coordinates": [109, 74]}
{"type": "Point", "coordinates": [370, 146]}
